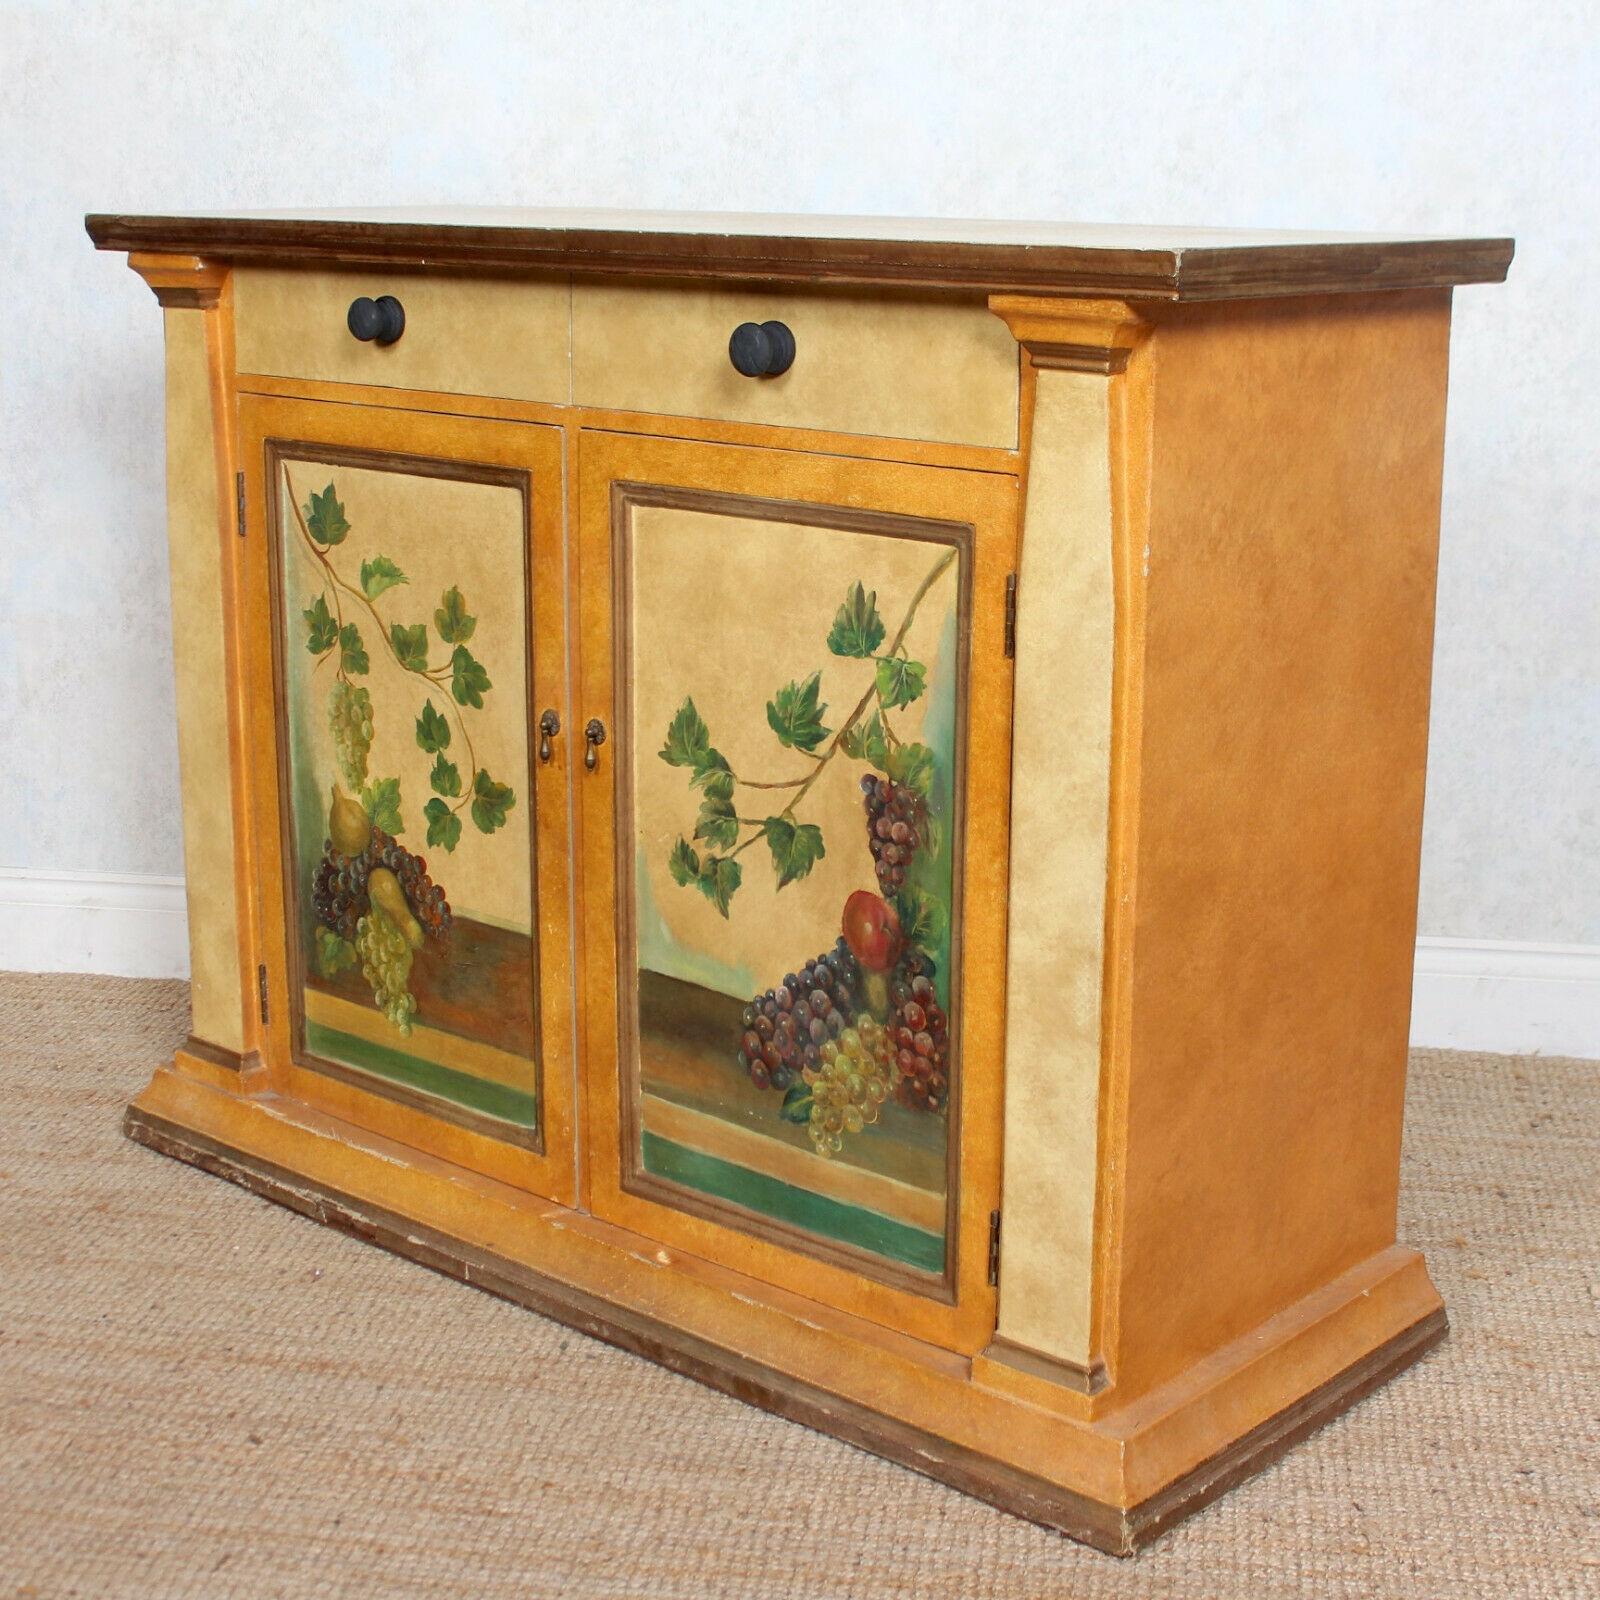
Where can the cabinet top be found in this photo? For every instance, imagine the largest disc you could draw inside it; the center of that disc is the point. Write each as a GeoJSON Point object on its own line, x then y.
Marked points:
{"type": "Point", "coordinates": [1015, 257]}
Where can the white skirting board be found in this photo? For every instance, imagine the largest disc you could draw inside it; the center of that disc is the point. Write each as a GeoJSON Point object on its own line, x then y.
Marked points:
{"type": "Point", "coordinates": [134, 927]}
{"type": "Point", "coordinates": [1521, 999]}
{"type": "Point", "coordinates": [1470, 994]}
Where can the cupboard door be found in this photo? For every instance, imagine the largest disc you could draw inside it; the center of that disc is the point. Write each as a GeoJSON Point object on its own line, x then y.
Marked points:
{"type": "Point", "coordinates": [794, 866]}
{"type": "Point", "coordinates": [406, 606]}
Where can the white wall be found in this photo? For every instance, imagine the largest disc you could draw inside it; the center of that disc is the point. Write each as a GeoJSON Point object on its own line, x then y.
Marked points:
{"type": "Point", "coordinates": [1457, 117]}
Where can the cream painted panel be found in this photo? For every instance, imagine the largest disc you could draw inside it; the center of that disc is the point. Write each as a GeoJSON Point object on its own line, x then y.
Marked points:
{"type": "Point", "coordinates": [890, 365]}
{"type": "Point", "coordinates": [1060, 798]}
{"type": "Point", "coordinates": [759, 941]}
{"type": "Point", "coordinates": [505, 338]}
{"type": "Point", "coordinates": [195, 531]}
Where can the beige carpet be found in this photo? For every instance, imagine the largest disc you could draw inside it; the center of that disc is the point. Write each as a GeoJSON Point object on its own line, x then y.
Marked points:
{"type": "Point", "coordinates": [204, 1395]}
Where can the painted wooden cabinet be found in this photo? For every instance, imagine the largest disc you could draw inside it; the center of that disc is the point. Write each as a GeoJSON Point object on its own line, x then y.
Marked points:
{"type": "Point", "coordinates": [837, 805]}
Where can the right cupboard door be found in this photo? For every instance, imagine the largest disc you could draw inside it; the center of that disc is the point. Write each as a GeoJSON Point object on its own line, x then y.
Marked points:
{"type": "Point", "coordinates": [794, 866]}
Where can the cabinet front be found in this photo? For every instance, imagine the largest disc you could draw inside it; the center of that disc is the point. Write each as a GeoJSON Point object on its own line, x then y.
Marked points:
{"type": "Point", "coordinates": [409, 696]}
{"type": "Point", "coordinates": [794, 865]}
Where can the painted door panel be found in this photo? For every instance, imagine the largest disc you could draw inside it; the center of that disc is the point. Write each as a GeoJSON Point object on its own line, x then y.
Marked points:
{"type": "Point", "coordinates": [792, 837]}
{"type": "Point", "coordinates": [418, 848]}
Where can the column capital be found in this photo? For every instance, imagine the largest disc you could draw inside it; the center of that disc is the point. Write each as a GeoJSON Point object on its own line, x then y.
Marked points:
{"type": "Point", "coordinates": [187, 282]}
{"type": "Point", "coordinates": [1072, 335]}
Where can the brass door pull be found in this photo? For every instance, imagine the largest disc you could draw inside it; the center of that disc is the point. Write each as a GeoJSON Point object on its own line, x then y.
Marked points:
{"type": "Point", "coordinates": [549, 727]}
{"type": "Point", "coordinates": [594, 736]}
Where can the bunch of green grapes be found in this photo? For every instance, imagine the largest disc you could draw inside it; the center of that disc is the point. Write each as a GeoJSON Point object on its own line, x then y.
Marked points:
{"type": "Point", "coordinates": [855, 1075]}
{"type": "Point", "coordinates": [350, 721]}
{"type": "Point", "coordinates": [386, 965]}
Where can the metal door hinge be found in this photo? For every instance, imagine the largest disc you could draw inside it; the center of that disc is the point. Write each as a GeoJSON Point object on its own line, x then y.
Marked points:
{"type": "Point", "coordinates": [261, 992]}
{"type": "Point", "coordinates": [238, 499]}
{"type": "Point", "coordinates": [994, 1247]}
{"type": "Point", "coordinates": [1011, 615]}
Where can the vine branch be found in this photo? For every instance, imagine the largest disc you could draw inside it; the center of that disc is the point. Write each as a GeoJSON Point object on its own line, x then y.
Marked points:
{"type": "Point", "coordinates": [802, 785]}
{"type": "Point", "coordinates": [437, 675]}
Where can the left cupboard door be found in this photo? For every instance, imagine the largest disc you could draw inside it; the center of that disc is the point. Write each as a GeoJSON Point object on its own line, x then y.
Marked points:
{"type": "Point", "coordinates": [405, 605]}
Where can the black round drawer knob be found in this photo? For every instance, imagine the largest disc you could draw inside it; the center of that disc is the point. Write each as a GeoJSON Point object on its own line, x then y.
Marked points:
{"type": "Point", "coordinates": [761, 349]}
{"type": "Point", "coordinates": [379, 321]}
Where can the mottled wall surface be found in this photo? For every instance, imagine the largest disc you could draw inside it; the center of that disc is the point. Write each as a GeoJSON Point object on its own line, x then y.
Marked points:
{"type": "Point", "coordinates": [1473, 119]}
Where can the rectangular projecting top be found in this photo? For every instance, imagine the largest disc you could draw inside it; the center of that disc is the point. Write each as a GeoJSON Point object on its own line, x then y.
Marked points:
{"type": "Point", "coordinates": [1004, 257]}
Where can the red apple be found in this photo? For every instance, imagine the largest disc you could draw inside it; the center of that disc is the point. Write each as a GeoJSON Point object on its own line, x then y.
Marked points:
{"type": "Point", "coordinates": [872, 930]}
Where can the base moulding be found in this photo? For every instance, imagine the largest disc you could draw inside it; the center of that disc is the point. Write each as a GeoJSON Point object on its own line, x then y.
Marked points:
{"type": "Point", "coordinates": [1082, 1476]}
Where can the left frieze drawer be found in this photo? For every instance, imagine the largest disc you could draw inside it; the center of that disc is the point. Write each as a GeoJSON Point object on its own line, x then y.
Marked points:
{"type": "Point", "coordinates": [503, 338]}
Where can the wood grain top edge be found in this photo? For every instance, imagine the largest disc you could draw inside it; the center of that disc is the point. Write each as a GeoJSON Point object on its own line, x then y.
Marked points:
{"type": "Point", "coordinates": [1173, 273]}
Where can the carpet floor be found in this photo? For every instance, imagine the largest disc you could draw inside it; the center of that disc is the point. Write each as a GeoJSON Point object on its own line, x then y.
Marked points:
{"type": "Point", "coordinates": [202, 1394]}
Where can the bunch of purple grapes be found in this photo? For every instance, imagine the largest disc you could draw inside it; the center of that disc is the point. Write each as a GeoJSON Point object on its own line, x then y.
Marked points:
{"type": "Point", "coordinates": [919, 1029]}
{"type": "Point", "coordinates": [784, 1029]}
{"type": "Point", "coordinates": [895, 823]}
{"type": "Point", "coordinates": [339, 892]}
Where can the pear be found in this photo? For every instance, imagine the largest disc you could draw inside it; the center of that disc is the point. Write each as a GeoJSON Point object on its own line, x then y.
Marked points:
{"type": "Point", "coordinates": [349, 826]}
{"type": "Point", "coordinates": [390, 898]}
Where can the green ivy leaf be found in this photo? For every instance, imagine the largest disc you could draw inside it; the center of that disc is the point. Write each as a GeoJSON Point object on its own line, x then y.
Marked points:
{"type": "Point", "coordinates": [445, 777]}
{"type": "Point", "coordinates": [868, 742]}
{"type": "Point", "coordinates": [490, 802]}
{"type": "Point", "coordinates": [796, 847]}
{"type": "Point", "coordinates": [433, 730]}
{"type": "Point", "coordinates": [688, 739]}
{"type": "Point", "coordinates": [717, 829]}
{"type": "Point", "coordinates": [451, 619]}
{"type": "Point", "coordinates": [922, 918]}
{"type": "Point", "coordinates": [410, 645]}
{"type": "Point", "coordinates": [325, 517]}
{"type": "Point", "coordinates": [683, 863]}
{"type": "Point", "coordinates": [713, 770]}
{"type": "Point", "coordinates": [689, 745]}
{"type": "Point", "coordinates": [900, 681]}
{"type": "Point", "coordinates": [795, 716]}
{"type": "Point", "coordinates": [381, 801]}
{"type": "Point", "coordinates": [324, 631]}
{"type": "Point", "coordinates": [352, 653]}
{"type": "Point", "coordinates": [468, 681]}
{"type": "Point", "coordinates": [796, 1105]}
{"type": "Point", "coordinates": [716, 781]}
{"type": "Point", "coordinates": [334, 954]}
{"type": "Point", "coordinates": [717, 824]}
{"type": "Point", "coordinates": [378, 574]}
{"type": "Point", "coordinates": [912, 765]}
{"type": "Point", "coordinates": [444, 826]}
{"type": "Point", "coordinates": [857, 629]}
{"type": "Point", "coordinates": [719, 877]}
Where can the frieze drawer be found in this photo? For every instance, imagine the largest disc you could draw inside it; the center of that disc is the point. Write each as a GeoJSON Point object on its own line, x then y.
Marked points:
{"type": "Point", "coordinates": [500, 337]}
{"type": "Point", "coordinates": [892, 365]}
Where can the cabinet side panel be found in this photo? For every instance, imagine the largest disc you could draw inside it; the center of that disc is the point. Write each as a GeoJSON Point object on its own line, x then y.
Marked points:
{"type": "Point", "coordinates": [195, 531]}
{"type": "Point", "coordinates": [1293, 539]}
{"type": "Point", "coordinates": [1061, 735]}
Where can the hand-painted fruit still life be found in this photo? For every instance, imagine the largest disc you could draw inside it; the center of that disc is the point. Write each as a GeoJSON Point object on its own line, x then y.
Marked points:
{"type": "Point", "coordinates": [407, 719]}
{"type": "Point", "coordinates": [842, 1031]}
{"type": "Point", "coordinates": [375, 901]}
